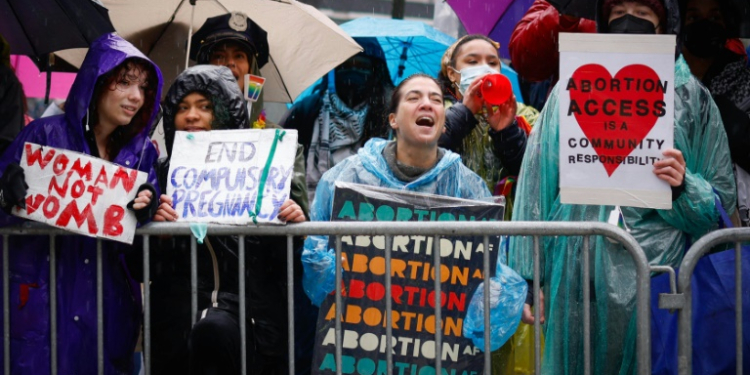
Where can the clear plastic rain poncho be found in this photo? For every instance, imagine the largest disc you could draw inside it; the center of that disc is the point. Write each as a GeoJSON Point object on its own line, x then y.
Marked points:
{"type": "Point", "coordinates": [449, 177]}
{"type": "Point", "coordinates": [663, 234]}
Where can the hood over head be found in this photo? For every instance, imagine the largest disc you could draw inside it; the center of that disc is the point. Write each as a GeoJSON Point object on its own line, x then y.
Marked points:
{"type": "Point", "coordinates": [215, 82]}
{"type": "Point", "coordinates": [105, 54]}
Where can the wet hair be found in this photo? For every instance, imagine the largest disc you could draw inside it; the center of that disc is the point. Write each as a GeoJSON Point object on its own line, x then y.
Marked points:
{"type": "Point", "coordinates": [397, 94]}
{"type": "Point", "coordinates": [108, 81]}
{"type": "Point", "coordinates": [445, 83]}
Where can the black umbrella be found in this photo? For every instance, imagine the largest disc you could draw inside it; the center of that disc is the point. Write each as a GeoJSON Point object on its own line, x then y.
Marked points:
{"type": "Point", "coordinates": [38, 27]}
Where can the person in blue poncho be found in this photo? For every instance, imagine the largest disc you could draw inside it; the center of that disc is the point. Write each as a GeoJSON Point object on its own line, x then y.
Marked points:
{"type": "Point", "coordinates": [412, 162]}
{"type": "Point", "coordinates": [699, 169]}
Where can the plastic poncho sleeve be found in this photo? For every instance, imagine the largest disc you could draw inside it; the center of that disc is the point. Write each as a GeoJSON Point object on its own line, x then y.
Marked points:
{"type": "Point", "coordinates": [708, 175]}
{"type": "Point", "coordinates": [318, 260]}
{"type": "Point", "coordinates": [537, 187]}
{"type": "Point", "coordinates": [507, 296]}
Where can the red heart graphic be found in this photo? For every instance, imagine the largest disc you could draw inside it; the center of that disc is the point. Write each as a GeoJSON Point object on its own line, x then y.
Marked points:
{"type": "Point", "coordinates": [616, 113]}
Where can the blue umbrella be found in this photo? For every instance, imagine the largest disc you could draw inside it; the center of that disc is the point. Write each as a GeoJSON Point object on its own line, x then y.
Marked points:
{"type": "Point", "coordinates": [409, 46]}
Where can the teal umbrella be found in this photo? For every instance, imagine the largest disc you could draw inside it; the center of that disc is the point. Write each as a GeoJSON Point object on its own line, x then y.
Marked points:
{"type": "Point", "coordinates": [409, 46]}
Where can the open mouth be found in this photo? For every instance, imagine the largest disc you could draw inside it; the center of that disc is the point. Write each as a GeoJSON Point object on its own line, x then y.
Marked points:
{"type": "Point", "coordinates": [425, 121]}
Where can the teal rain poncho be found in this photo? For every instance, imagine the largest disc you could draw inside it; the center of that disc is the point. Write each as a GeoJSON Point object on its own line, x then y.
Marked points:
{"type": "Point", "coordinates": [449, 177]}
{"type": "Point", "coordinates": [663, 234]}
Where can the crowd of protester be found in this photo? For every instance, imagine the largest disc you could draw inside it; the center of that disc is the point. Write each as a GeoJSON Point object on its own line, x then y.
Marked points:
{"type": "Point", "coordinates": [428, 135]}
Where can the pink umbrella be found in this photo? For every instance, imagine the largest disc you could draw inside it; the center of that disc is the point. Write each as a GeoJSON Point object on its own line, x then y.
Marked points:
{"type": "Point", "coordinates": [493, 18]}
{"type": "Point", "coordinates": [34, 83]}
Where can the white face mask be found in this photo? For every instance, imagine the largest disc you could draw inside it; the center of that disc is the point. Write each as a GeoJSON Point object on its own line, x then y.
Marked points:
{"type": "Point", "coordinates": [468, 75]}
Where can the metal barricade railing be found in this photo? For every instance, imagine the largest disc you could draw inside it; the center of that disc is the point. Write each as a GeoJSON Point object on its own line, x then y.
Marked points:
{"type": "Point", "coordinates": [682, 300]}
{"type": "Point", "coordinates": [339, 229]}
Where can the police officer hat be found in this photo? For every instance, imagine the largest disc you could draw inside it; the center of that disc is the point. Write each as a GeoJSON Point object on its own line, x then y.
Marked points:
{"type": "Point", "coordinates": [235, 27]}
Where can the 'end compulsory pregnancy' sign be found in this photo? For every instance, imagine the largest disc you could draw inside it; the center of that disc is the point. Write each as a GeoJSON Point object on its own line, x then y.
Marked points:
{"type": "Point", "coordinates": [231, 176]}
{"type": "Point", "coordinates": [616, 103]}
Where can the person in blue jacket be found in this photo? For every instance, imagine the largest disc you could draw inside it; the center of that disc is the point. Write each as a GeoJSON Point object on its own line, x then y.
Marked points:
{"type": "Point", "coordinates": [412, 162]}
{"type": "Point", "coordinates": [109, 111]}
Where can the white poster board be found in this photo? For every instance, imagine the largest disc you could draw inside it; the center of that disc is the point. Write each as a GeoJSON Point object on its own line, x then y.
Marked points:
{"type": "Point", "coordinates": [231, 176]}
{"type": "Point", "coordinates": [616, 100]}
{"type": "Point", "coordinates": [79, 192]}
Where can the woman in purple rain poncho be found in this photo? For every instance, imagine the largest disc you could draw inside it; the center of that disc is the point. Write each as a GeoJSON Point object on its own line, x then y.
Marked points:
{"type": "Point", "coordinates": [109, 111]}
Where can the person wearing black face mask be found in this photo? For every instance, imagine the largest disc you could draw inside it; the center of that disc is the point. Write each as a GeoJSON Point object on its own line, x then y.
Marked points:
{"type": "Point", "coordinates": [345, 110]}
{"type": "Point", "coordinates": [707, 26]}
{"type": "Point", "coordinates": [698, 169]}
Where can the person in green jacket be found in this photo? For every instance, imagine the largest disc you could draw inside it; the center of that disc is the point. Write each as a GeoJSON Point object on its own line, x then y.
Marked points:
{"type": "Point", "coordinates": [699, 169]}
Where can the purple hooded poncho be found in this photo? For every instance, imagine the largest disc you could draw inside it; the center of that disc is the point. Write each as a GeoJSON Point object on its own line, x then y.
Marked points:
{"type": "Point", "coordinates": [76, 255]}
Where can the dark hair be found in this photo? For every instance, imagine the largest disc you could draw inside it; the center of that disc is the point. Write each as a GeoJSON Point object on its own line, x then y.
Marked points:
{"type": "Point", "coordinates": [445, 83]}
{"type": "Point", "coordinates": [108, 81]}
{"type": "Point", "coordinates": [222, 44]}
{"type": "Point", "coordinates": [396, 96]}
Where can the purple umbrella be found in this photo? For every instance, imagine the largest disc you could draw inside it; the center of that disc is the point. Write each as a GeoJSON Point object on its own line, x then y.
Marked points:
{"type": "Point", "coordinates": [494, 18]}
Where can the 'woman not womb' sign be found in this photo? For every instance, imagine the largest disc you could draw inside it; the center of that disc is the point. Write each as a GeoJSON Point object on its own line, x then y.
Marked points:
{"type": "Point", "coordinates": [616, 103]}
{"type": "Point", "coordinates": [78, 192]}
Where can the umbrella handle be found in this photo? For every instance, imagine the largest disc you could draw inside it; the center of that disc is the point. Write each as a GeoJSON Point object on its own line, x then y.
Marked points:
{"type": "Point", "coordinates": [50, 62]}
{"type": "Point", "coordinates": [190, 33]}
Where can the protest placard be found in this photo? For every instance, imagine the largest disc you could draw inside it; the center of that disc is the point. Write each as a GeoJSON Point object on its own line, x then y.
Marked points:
{"type": "Point", "coordinates": [79, 192]}
{"type": "Point", "coordinates": [363, 319]}
{"type": "Point", "coordinates": [616, 100]}
{"type": "Point", "coordinates": [231, 176]}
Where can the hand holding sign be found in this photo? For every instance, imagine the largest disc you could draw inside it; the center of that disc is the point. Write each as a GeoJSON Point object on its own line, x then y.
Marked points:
{"type": "Point", "coordinates": [165, 211]}
{"type": "Point", "coordinates": [13, 188]}
{"type": "Point", "coordinates": [672, 168]}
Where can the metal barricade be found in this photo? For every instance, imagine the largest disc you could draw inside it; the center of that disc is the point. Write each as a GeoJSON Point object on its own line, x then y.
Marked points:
{"type": "Point", "coordinates": [682, 300]}
{"type": "Point", "coordinates": [339, 229]}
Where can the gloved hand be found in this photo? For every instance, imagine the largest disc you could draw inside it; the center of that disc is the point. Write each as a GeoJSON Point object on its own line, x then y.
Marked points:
{"type": "Point", "coordinates": [13, 188]}
{"type": "Point", "coordinates": [145, 213]}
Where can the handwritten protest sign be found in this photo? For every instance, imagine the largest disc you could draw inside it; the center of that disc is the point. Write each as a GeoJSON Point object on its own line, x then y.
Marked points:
{"type": "Point", "coordinates": [363, 318]}
{"type": "Point", "coordinates": [78, 192]}
{"type": "Point", "coordinates": [231, 176]}
{"type": "Point", "coordinates": [616, 100]}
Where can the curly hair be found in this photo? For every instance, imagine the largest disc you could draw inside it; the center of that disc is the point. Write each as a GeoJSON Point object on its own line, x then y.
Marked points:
{"type": "Point", "coordinates": [123, 134]}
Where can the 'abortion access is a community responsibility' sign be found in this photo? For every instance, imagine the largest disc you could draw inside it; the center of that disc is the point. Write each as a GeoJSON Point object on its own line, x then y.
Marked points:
{"type": "Point", "coordinates": [231, 176]}
{"type": "Point", "coordinates": [616, 102]}
{"type": "Point", "coordinates": [78, 192]}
